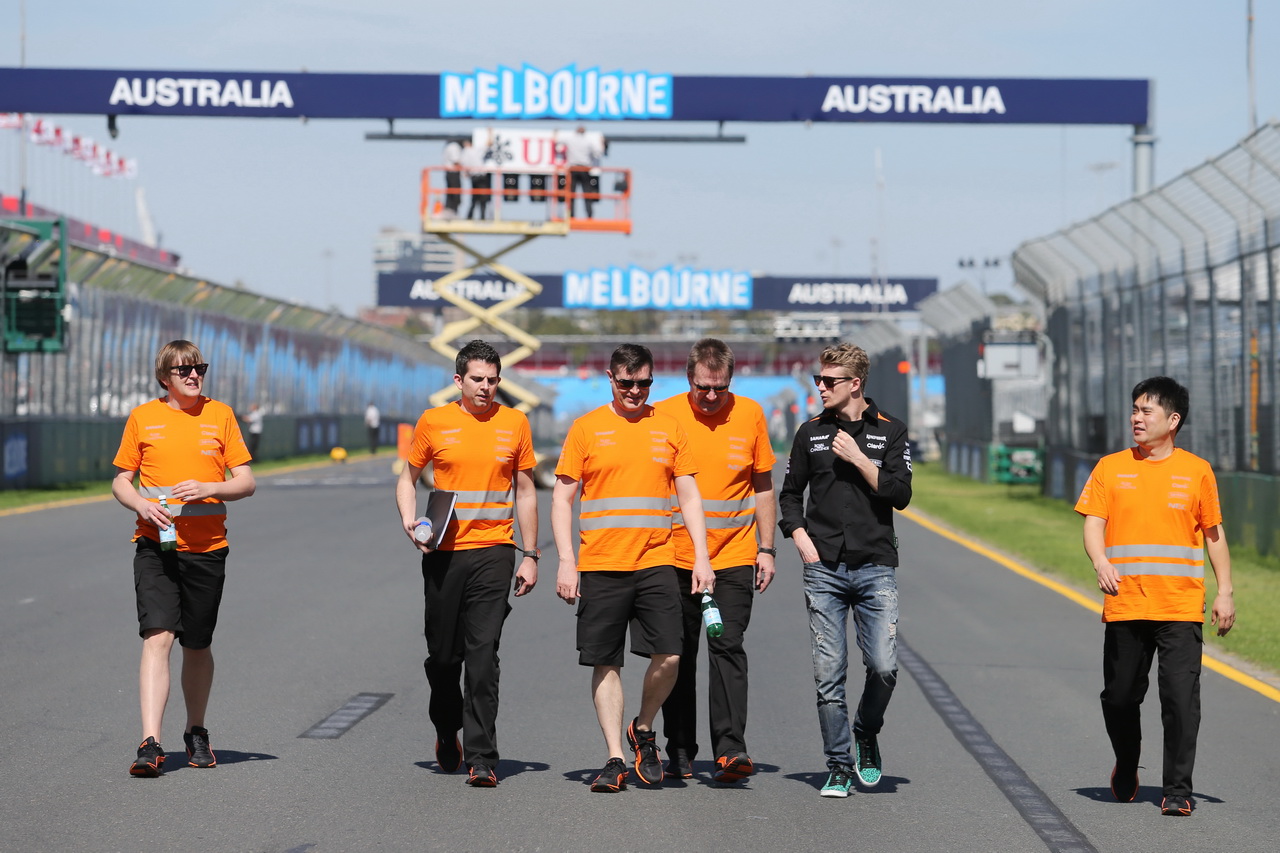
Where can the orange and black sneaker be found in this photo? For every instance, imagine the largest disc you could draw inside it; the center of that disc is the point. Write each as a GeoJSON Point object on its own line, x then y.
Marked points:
{"type": "Point", "coordinates": [150, 760]}
{"type": "Point", "coordinates": [612, 779]}
{"type": "Point", "coordinates": [448, 753]}
{"type": "Point", "coordinates": [733, 768]}
{"type": "Point", "coordinates": [482, 776]}
{"type": "Point", "coordinates": [648, 762]}
{"type": "Point", "coordinates": [198, 752]}
{"type": "Point", "coordinates": [1124, 786]}
{"type": "Point", "coordinates": [1175, 805]}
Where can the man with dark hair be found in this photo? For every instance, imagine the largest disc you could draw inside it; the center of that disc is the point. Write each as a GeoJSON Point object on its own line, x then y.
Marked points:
{"type": "Point", "coordinates": [856, 463]}
{"type": "Point", "coordinates": [1150, 513]}
{"type": "Point", "coordinates": [628, 459]}
{"type": "Point", "coordinates": [181, 447]}
{"type": "Point", "coordinates": [730, 440]}
{"type": "Point", "coordinates": [482, 451]}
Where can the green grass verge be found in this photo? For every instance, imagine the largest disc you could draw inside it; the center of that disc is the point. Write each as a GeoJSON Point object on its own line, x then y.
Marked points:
{"type": "Point", "coordinates": [19, 498]}
{"type": "Point", "coordinates": [1046, 534]}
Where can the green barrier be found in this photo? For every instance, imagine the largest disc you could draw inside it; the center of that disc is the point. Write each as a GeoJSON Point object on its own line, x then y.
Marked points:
{"type": "Point", "coordinates": [1015, 464]}
{"type": "Point", "coordinates": [1249, 504]}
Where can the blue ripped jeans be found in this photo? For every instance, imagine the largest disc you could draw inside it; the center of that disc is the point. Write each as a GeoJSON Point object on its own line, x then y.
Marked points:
{"type": "Point", "coordinates": [831, 590]}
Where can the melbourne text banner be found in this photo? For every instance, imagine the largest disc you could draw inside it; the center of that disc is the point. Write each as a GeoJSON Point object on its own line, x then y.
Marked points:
{"type": "Point", "coordinates": [571, 93]}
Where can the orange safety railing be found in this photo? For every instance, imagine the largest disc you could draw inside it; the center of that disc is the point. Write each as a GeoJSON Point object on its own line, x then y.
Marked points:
{"type": "Point", "coordinates": [452, 202]}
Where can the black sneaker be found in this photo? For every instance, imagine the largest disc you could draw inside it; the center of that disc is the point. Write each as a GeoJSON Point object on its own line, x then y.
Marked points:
{"type": "Point", "coordinates": [733, 768]}
{"type": "Point", "coordinates": [150, 760]}
{"type": "Point", "coordinates": [866, 760]}
{"type": "Point", "coordinates": [198, 752]}
{"type": "Point", "coordinates": [482, 776]}
{"type": "Point", "coordinates": [1124, 786]}
{"type": "Point", "coordinates": [1175, 805]}
{"type": "Point", "coordinates": [648, 762]}
{"type": "Point", "coordinates": [612, 779]}
{"type": "Point", "coordinates": [448, 753]}
{"type": "Point", "coordinates": [681, 765]}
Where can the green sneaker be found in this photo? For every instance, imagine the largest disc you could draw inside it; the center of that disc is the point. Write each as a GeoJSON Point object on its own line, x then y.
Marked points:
{"type": "Point", "coordinates": [839, 780]}
{"type": "Point", "coordinates": [866, 758]}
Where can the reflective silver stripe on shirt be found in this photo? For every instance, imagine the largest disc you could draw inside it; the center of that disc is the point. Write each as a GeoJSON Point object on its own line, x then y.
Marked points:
{"type": "Point", "coordinates": [218, 508]}
{"type": "Point", "coordinates": [602, 504]}
{"type": "Point", "coordinates": [176, 509]}
{"type": "Point", "coordinates": [483, 497]}
{"type": "Point", "coordinates": [749, 502]}
{"type": "Point", "coordinates": [1171, 570]}
{"type": "Point", "coordinates": [714, 523]}
{"type": "Point", "coordinates": [605, 522]}
{"type": "Point", "coordinates": [482, 513]}
{"type": "Point", "coordinates": [1168, 552]}
{"type": "Point", "coordinates": [719, 522]}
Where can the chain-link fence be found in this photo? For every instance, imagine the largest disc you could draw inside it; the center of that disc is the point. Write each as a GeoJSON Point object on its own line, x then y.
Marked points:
{"type": "Point", "coordinates": [1180, 281]}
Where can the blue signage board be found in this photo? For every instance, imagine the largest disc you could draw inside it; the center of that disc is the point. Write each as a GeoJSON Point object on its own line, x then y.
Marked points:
{"type": "Point", "coordinates": [632, 288]}
{"type": "Point", "coordinates": [570, 93]}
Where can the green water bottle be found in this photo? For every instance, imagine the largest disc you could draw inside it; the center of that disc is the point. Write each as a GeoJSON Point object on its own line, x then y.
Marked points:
{"type": "Point", "coordinates": [168, 535]}
{"type": "Point", "coordinates": [711, 615]}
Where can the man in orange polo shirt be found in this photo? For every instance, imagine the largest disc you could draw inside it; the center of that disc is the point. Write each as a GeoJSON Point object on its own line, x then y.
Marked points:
{"type": "Point", "coordinates": [628, 459]}
{"type": "Point", "coordinates": [730, 440]}
{"type": "Point", "coordinates": [181, 447]}
{"type": "Point", "coordinates": [1150, 512]}
{"type": "Point", "coordinates": [482, 451]}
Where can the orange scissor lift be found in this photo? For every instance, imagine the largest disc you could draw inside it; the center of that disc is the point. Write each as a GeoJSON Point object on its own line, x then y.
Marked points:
{"type": "Point", "coordinates": [525, 215]}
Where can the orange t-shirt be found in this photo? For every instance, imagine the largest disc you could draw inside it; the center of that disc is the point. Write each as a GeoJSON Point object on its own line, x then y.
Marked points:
{"type": "Point", "coordinates": [166, 446]}
{"type": "Point", "coordinates": [731, 446]}
{"type": "Point", "coordinates": [1156, 514]}
{"type": "Point", "coordinates": [627, 468]}
{"type": "Point", "coordinates": [476, 456]}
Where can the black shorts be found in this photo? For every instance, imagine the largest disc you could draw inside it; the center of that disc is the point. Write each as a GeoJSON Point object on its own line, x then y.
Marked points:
{"type": "Point", "coordinates": [648, 599]}
{"type": "Point", "coordinates": [179, 591]}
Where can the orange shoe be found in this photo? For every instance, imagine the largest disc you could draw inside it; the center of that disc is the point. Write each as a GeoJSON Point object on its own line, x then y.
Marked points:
{"type": "Point", "coordinates": [150, 760]}
{"type": "Point", "coordinates": [733, 768]}
{"type": "Point", "coordinates": [482, 776]}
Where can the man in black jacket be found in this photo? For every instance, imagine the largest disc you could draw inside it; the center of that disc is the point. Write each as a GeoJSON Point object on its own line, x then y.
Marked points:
{"type": "Point", "coordinates": [856, 463]}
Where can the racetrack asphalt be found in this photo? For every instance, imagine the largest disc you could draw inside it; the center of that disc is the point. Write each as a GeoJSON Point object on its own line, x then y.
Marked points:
{"type": "Point", "coordinates": [993, 741]}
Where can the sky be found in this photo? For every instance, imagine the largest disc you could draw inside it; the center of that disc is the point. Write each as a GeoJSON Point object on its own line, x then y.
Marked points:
{"type": "Point", "coordinates": [291, 209]}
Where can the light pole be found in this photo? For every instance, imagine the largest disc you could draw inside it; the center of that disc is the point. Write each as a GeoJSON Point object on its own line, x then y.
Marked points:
{"type": "Point", "coordinates": [982, 266]}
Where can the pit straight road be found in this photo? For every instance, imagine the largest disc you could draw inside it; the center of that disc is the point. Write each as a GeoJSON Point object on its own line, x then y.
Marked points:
{"type": "Point", "coordinates": [993, 741]}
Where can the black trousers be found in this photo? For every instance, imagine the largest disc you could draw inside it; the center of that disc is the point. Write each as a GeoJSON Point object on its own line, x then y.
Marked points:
{"type": "Point", "coordinates": [466, 606]}
{"type": "Point", "coordinates": [480, 186]}
{"type": "Point", "coordinates": [726, 667]}
{"type": "Point", "coordinates": [588, 186]}
{"type": "Point", "coordinates": [453, 187]}
{"type": "Point", "coordinates": [1128, 648]}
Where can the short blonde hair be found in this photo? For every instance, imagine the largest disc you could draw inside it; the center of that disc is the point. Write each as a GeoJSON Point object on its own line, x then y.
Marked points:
{"type": "Point", "coordinates": [848, 357]}
{"type": "Point", "coordinates": [172, 354]}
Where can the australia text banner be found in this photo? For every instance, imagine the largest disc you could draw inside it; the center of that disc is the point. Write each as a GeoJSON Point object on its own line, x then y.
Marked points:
{"type": "Point", "coordinates": [671, 289]}
{"type": "Point", "coordinates": [572, 93]}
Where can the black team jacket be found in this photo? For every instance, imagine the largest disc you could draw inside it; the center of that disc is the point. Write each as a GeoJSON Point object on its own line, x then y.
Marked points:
{"type": "Point", "coordinates": [847, 520]}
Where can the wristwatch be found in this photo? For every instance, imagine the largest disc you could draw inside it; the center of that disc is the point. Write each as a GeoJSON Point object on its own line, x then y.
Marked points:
{"type": "Point", "coordinates": [772, 552]}
{"type": "Point", "coordinates": [534, 554]}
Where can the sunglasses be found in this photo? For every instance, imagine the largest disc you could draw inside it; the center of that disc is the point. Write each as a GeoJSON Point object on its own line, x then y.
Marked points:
{"type": "Point", "coordinates": [830, 381]}
{"type": "Point", "coordinates": [628, 384]}
{"type": "Point", "coordinates": [719, 389]}
{"type": "Point", "coordinates": [184, 370]}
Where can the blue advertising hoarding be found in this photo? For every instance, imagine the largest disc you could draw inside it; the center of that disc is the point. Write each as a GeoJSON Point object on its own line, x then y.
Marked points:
{"type": "Point", "coordinates": [671, 289]}
{"type": "Point", "coordinates": [571, 93]}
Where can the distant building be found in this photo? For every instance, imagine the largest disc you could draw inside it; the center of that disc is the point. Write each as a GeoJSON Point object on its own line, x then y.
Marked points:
{"type": "Point", "coordinates": [397, 250]}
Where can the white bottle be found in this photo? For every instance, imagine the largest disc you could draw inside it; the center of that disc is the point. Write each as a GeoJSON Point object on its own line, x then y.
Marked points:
{"type": "Point", "coordinates": [422, 532]}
